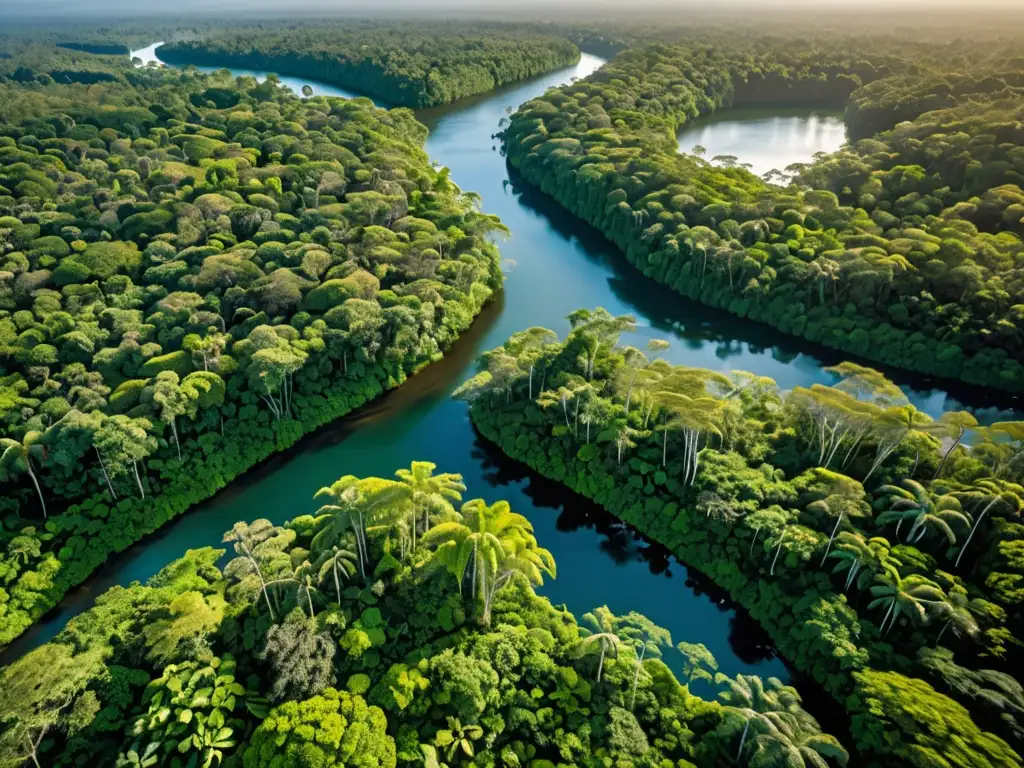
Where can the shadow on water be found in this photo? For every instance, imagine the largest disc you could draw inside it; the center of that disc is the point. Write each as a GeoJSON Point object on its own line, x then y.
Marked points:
{"type": "Point", "coordinates": [699, 325]}
{"type": "Point", "coordinates": [622, 543]}
{"type": "Point", "coordinates": [747, 639]}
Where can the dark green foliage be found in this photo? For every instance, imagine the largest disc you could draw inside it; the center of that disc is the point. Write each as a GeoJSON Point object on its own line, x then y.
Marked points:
{"type": "Point", "coordinates": [414, 65]}
{"type": "Point", "coordinates": [153, 345]}
{"type": "Point", "coordinates": [902, 248]}
{"type": "Point", "coordinates": [699, 463]}
{"type": "Point", "coordinates": [426, 684]}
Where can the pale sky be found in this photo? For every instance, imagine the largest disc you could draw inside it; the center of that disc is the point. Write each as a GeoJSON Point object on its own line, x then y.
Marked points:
{"type": "Point", "coordinates": [68, 9]}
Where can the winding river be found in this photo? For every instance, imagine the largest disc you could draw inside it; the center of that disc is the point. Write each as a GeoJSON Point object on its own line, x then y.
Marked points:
{"type": "Point", "coordinates": [554, 265]}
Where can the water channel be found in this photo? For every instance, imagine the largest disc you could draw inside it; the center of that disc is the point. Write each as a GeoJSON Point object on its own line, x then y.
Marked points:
{"type": "Point", "coordinates": [555, 265]}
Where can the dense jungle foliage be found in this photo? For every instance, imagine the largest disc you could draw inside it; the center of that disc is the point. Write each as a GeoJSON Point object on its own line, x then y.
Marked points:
{"type": "Point", "coordinates": [883, 556]}
{"type": "Point", "coordinates": [421, 64]}
{"type": "Point", "coordinates": [904, 247]}
{"type": "Point", "coordinates": [397, 626]}
{"type": "Point", "coordinates": [195, 271]}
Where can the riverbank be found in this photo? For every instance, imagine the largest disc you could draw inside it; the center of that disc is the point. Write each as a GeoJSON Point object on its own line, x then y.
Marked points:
{"type": "Point", "coordinates": [895, 718]}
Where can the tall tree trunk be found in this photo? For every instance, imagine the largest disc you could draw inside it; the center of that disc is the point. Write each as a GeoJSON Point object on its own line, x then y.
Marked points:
{"type": "Point", "coordinates": [973, 529]}
{"type": "Point", "coordinates": [782, 538]}
{"type": "Point", "coordinates": [945, 456]}
{"type": "Point", "coordinates": [636, 677]}
{"type": "Point", "coordinates": [600, 665]}
{"type": "Point", "coordinates": [757, 532]}
{"type": "Point", "coordinates": [138, 479]}
{"type": "Point", "coordinates": [337, 581]}
{"type": "Point", "coordinates": [177, 443]}
{"type": "Point", "coordinates": [106, 476]}
{"type": "Point", "coordinates": [472, 589]}
{"type": "Point", "coordinates": [831, 538]}
{"type": "Point", "coordinates": [892, 607]}
{"type": "Point", "coordinates": [263, 585]}
{"type": "Point", "coordinates": [854, 570]}
{"type": "Point", "coordinates": [743, 740]}
{"type": "Point", "coordinates": [35, 482]}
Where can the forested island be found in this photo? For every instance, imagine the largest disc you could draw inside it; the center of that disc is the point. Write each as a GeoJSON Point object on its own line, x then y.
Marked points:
{"type": "Point", "coordinates": [195, 272]}
{"type": "Point", "coordinates": [412, 65]}
{"type": "Point", "coordinates": [904, 248]}
{"type": "Point", "coordinates": [882, 556]}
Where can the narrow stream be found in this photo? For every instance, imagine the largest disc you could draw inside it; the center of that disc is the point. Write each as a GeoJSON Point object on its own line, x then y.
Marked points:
{"type": "Point", "coordinates": [555, 265]}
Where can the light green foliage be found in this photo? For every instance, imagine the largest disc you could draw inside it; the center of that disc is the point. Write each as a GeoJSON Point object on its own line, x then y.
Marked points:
{"type": "Point", "coordinates": [332, 729]}
{"type": "Point", "coordinates": [153, 344]}
{"type": "Point", "coordinates": [710, 482]}
{"type": "Point", "coordinates": [945, 735]}
{"type": "Point", "coordinates": [192, 708]}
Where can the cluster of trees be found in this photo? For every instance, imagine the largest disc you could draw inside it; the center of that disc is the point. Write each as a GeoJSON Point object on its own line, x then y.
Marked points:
{"type": "Point", "coordinates": [397, 626]}
{"type": "Point", "coordinates": [191, 279]}
{"type": "Point", "coordinates": [420, 64]}
{"type": "Point", "coordinates": [881, 554]}
{"type": "Point", "coordinates": [904, 248]}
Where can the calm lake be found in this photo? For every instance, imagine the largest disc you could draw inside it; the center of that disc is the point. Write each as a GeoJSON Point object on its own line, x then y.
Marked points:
{"type": "Point", "coordinates": [765, 138]}
{"type": "Point", "coordinates": [554, 265]}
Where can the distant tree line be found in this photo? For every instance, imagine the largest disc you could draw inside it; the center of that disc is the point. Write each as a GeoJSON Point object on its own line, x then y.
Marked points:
{"type": "Point", "coordinates": [413, 65]}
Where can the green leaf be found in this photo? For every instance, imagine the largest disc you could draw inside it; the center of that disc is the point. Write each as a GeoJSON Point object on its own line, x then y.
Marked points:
{"type": "Point", "coordinates": [443, 738]}
{"type": "Point", "coordinates": [185, 716]}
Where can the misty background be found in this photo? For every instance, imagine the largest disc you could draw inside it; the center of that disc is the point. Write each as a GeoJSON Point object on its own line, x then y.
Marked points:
{"type": "Point", "coordinates": [584, 10]}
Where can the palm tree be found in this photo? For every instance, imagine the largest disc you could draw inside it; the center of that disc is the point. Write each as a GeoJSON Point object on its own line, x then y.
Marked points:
{"type": "Point", "coordinates": [626, 436]}
{"type": "Point", "coordinates": [600, 634]}
{"type": "Point", "coordinates": [458, 736]}
{"type": "Point", "coordinates": [16, 457]}
{"type": "Point", "coordinates": [778, 551]}
{"type": "Point", "coordinates": [760, 705]}
{"type": "Point", "coordinates": [959, 614]}
{"type": "Point", "coordinates": [522, 556]}
{"type": "Point", "coordinates": [794, 743]}
{"type": "Point", "coordinates": [357, 503]}
{"type": "Point", "coordinates": [862, 558]}
{"type": "Point", "coordinates": [914, 502]}
{"type": "Point", "coordinates": [561, 396]}
{"type": "Point", "coordinates": [637, 362]}
{"type": "Point", "coordinates": [990, 493]}
{"type": "Point", "coordinates": [246, 539]}
{"type": "Point", "coordinates": [956, 423]}
{"type": "Point", "coordinates": [894, 425]}
{"type": "Point", "coordinates": [337, 563]}
{"type": "Point", "coordinates": [482, 538]}
{"type": "Point", "coordinates": [914, 595]}
{"type": "Point", "coordinates": [845, 496]}
{"type": "Point", "coordinates": [528, 347]}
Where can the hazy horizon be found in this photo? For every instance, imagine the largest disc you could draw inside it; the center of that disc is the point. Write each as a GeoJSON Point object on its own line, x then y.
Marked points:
{"type": "Point", "coordinates": [127, 10]}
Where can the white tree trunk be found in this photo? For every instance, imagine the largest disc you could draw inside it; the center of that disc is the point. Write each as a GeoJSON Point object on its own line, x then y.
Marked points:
{"type": "Point", "coordinates": [35, 482]}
